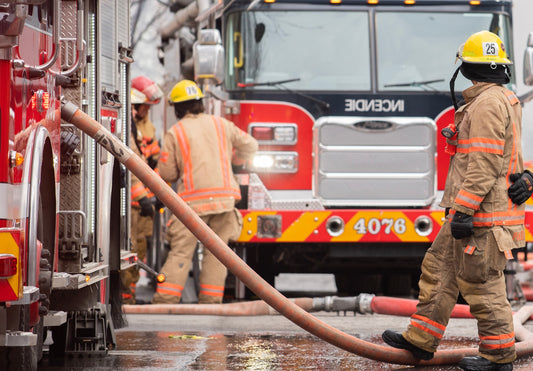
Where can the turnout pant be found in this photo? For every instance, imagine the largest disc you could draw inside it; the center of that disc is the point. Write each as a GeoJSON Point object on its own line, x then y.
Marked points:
{"type": "Point", "coordinates": [141, 229]}
{"type": "Point", "coordinates": [473, 267]}
{"type": "Point", "coordinates": [213, 273]}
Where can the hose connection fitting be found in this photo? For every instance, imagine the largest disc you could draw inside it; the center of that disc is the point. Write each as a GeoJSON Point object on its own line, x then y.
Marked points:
{"type": "Point", "coordinates": [354, 304]}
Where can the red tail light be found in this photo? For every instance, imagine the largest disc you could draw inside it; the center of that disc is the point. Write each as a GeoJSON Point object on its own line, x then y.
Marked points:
{"type": "Point", "coordinates": [8, 265]}
{"type": "Point", "coordinates": [263, 133]}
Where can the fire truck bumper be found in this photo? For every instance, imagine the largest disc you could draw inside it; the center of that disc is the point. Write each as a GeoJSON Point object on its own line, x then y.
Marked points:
{"type": "Point", "coordinates": [348, 225]}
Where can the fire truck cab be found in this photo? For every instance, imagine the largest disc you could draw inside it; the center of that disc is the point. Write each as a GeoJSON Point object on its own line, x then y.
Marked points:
{"type": "Point", "coordinates": [347, 100]}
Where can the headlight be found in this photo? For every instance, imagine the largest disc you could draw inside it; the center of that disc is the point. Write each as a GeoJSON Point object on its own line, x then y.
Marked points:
{"type": "Point", "coordinates": [275, 162]}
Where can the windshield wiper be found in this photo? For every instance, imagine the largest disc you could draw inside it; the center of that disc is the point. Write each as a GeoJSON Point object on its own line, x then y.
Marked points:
{"type": "Point", "coordinates": [268, 83]}
{"type": "Point", "coordinates": [279, 85]}
{"type": "Point", "coordinates": [415, 83]}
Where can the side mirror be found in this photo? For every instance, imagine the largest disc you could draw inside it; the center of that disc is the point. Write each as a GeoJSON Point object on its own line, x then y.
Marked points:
{"type": "Point", "coordinates": [208, 57]}
{"type": "Point", "coordinates": [528, 61]}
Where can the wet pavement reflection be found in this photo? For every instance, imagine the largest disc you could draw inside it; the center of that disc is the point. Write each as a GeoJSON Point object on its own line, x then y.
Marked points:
{"type": "Point", "coordinates": [159, 350]}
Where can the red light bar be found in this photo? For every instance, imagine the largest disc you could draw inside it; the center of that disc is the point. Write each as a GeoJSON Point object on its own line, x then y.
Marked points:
{"type": "Point", "coordinates": [8, 265]}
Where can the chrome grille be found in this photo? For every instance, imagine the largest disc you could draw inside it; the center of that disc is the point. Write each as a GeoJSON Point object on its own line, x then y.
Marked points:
{"type": "Point", "coordinates": [366, 162]}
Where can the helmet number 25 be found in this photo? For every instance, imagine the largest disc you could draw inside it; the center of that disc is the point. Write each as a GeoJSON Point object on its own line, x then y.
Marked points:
{"type": "Point", "coordinates": [490, 48]}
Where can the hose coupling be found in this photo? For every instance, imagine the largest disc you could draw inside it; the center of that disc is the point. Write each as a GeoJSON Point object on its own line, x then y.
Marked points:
{"type": "Point", "coordinates": [335, 304]}
{"type": "Point", "coordinates": [68, 109]}
{"type": "Point", "coordinates": [365, 303]}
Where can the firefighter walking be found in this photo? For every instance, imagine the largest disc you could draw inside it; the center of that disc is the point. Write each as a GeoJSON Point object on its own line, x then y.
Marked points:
{"type": "Point", "coordinates": [144, 94]}
{"type": "Point", "coordinates": [482, 224]}
{"type": "Point", "coordinates": [197, 154]}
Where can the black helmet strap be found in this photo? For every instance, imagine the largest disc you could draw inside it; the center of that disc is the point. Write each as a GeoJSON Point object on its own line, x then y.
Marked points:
{"type": "Point", "coordinates": [452, 87]}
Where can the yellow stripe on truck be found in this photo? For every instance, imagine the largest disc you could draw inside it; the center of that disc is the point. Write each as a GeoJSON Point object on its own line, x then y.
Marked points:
{"type": "Point", "coordinates": [8, 245]}
{"type": "Point", "coordinates": [304, 226]}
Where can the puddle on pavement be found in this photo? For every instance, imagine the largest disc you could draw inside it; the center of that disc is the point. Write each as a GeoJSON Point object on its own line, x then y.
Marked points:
{"type": "Point", "coordinates": [202, 351]}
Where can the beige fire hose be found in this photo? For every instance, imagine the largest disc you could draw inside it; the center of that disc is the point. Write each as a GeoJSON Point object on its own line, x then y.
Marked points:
{"type": "Point", "coordinates": [71, 114]}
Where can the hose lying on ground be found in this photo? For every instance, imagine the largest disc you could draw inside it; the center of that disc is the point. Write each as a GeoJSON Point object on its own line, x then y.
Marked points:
{"type": "Point", "coordinates": [71, 114]}
{"type": "Point", "coordinates": [363, 304]}
{"type": "Point", "coordinates": [249, 308]}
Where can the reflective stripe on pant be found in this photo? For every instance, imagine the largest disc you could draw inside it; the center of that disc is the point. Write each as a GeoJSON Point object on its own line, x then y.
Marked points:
{"type": "Point", "coordinates": [182, 247]}
{"type": "Point", "coordinates": [474, 267]}
{"type": "Point", "coordinates": [170, 290]}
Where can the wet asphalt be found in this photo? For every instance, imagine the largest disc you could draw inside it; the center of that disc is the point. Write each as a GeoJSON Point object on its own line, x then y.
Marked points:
{"type": "Point", "coordinates": [197, 342]}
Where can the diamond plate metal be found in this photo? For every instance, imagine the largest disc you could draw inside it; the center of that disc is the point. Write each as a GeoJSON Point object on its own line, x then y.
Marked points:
{"type": "Point", "coordinates": [68, 33]}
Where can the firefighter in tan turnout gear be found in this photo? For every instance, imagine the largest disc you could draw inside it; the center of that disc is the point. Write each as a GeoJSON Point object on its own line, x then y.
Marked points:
{"type": "Point", "coordinates": [482, 223]}
{"type": "Point", "coordinates": [144, 94]}
{"type": "Point", "coordinates": [198, 153]}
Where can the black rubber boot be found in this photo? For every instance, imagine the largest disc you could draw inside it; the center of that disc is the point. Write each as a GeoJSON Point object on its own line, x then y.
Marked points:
{"type": "Point", "coordinates": [396, 340]}
{"type": "Point", "coordinates": [482, 364]}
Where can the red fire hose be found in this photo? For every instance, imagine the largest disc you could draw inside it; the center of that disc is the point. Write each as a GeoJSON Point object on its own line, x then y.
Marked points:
{"type": "Point", "coordinates": [71, 113]}
{"type": "Point", "coordinates": [378, 304]}
{"type": "Point", "coordinates": [249, 308]}
{"type": "Point", "coordinates": [406, 307]}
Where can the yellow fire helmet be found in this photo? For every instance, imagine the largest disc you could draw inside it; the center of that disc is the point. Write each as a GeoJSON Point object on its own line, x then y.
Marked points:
{"type": "Point", "coordinates": [483, 47]}
{"type": "Point", "coordinates": [183, 91]}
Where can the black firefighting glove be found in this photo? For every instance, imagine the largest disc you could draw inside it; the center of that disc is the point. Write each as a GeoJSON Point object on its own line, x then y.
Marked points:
{"type": "Point", "coordinates": [237, 168]}
{"type": "Point", "coordinates": [462, 225]}
{"type": "Point", "coordinates": [522, 188]}
{"type": "Point", "coordinates": [152, 162]}
{"type": "Point", "coordinates": [146, 206]}
{"type": "Point", "coordinates": [158, 204]}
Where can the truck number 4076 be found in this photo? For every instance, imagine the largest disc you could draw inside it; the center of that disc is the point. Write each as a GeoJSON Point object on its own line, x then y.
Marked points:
{"type": "Point", "coordinates": [375, 226]}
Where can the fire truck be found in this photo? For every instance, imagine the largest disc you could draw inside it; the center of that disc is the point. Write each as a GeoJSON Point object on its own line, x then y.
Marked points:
{"type": "Point", "coordinates": [347, 99]}
{"type": "Point", "coordinates": [63, 215]}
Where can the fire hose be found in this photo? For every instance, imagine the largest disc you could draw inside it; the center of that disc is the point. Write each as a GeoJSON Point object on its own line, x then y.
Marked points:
{"type": "Point", "coordinates": [362, 304]}
{"type": "Point", "coordinates": [72, 114]}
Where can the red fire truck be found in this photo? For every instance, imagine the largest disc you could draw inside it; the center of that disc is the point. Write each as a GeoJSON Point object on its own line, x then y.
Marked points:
{"type": "Point", "coordinates": [63, 214]}
{"type": "Point", "coordinates": [347, 99]}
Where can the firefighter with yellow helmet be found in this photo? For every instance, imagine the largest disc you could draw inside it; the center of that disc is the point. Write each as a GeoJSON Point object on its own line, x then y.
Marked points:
{"type": "Point", "coordinates": [144, 94]}
{"type": "Point", "coordinates": [198, 153]}
{"type": "Point", "coordinates": [482, 224]}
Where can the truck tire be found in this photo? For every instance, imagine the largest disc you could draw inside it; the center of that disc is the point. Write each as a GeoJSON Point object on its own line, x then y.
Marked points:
{"type": "Point", "coordinates": [23, 358]}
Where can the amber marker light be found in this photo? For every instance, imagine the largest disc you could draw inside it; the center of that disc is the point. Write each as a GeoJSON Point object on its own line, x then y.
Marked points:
{"type": "Point", "coordinates": [335, 1]}
{"type": "Point", "coordinates": [16, 158]}
{"type": "Point", "coordinates": [87, 278]}
{"type": "Point", "coordinates": [161, 278]}
{"type": "Point", "coordinates": [372, 2]}
{"type": "Point", "coordinates": [270, 1]}
{"type": "Point", "coordinates": [409, 2]}
{"type": "Point", "coordinates": [475, 2]}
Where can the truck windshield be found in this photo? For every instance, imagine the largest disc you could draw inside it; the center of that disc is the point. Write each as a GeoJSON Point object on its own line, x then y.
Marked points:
{"type": "Point", "coordinates": [325, 50]}
{"type": "Point", "coordinates": [414, 47]}
{"type": "Point", "coordinates": [331, 50]}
